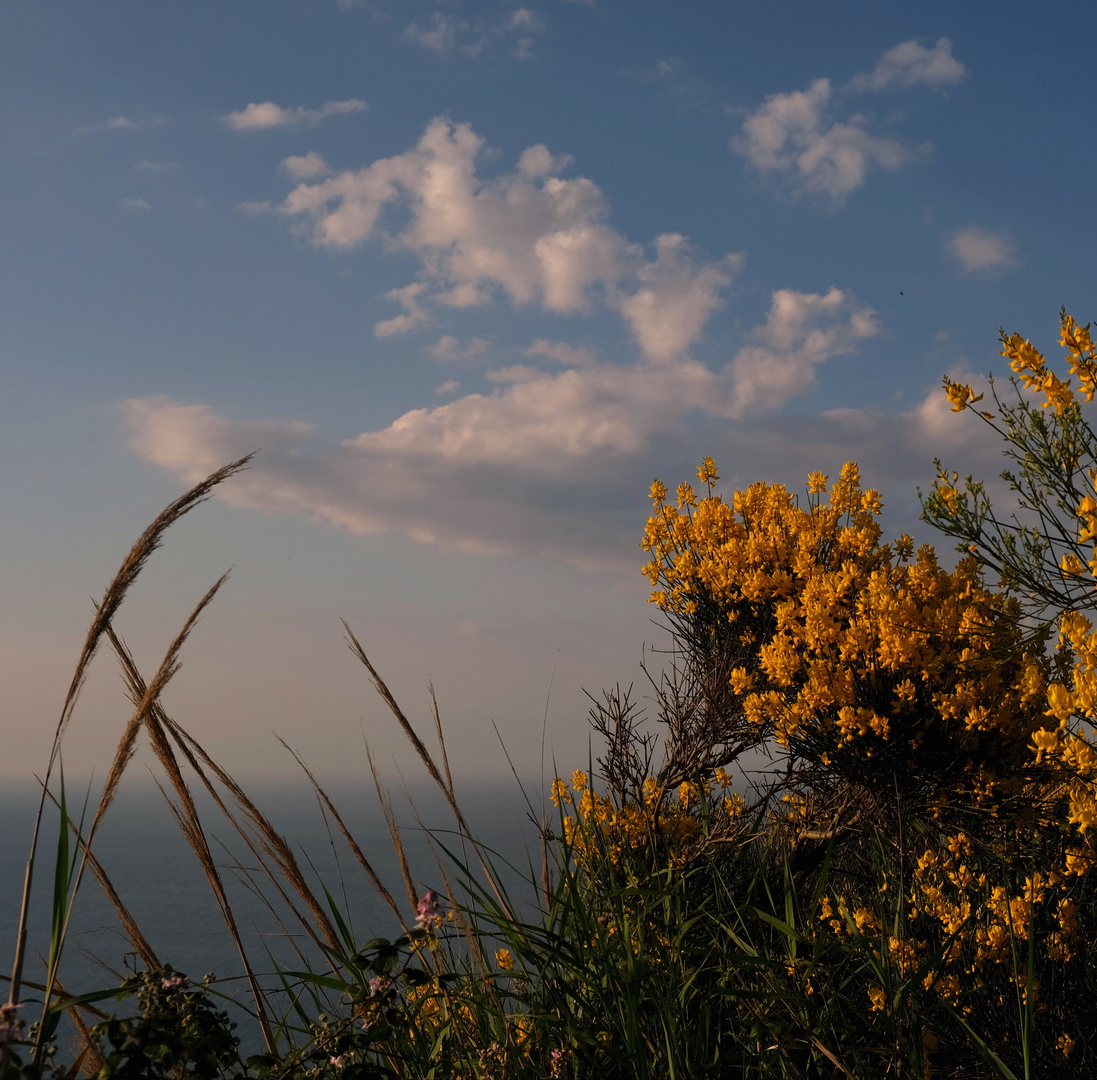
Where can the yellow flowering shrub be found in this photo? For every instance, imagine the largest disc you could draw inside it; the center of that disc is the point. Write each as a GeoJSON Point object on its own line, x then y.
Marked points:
{"type": "Point", "coordinates": [867, 661]}
{"type": "Point", "coordinates": [1048, 563]}
{"type": "Point", "coordinates": [899, 683]}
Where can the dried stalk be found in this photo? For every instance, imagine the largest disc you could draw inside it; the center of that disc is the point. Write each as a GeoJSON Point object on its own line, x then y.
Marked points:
{"type": "Point", "coordinates": [127, 574]}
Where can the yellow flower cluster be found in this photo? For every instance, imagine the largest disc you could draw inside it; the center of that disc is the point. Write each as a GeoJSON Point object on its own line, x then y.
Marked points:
{"type": "Point", "coordinates": [850, 648]}
{"type": "Point", "coordinates": [1033, 371]}
{"type": "Point", "coordinates": [974, 922]}
{"type": "Point", "coordinates": [599, 826]}
{"type": "Point", "coordinates": [1067, 744]}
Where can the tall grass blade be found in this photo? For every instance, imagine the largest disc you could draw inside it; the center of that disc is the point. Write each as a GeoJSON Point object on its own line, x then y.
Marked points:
{"type": "Point", "coordinates": [105, 611]}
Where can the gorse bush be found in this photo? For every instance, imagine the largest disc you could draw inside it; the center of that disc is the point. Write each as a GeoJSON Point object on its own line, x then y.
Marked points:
{"type": "Point", "coordinates": [855, 838]}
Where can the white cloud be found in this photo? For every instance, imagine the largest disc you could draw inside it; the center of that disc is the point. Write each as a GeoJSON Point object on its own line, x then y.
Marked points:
{"type": "Point", "coordinates": [911, 64]}
{"type": "Point", "coordinates": [156, 166]}
{"type": "Point", "coordinates": [529, 235]}
{"type": "Point", "coordinates": [797, 135]}
{"type": "Point", "coordinates": [450, 386]}
{"type": "Point", "coordinates": [449, 350]}
{"type": "Point", "coordinates": [308, 166]}
{"type": "Point", "coordinates": [135, 205]}
{"type": "Point", "coordinates": [676, 296]}
{"type": "Point", "coordinates": [121, 123]}
{"type": "Point", "coordinates": [980, 250]}
{"type": "Point", "coordinates": [266, 115]}
{"type": "Point", "coordinates": [537, 161]}
{"type": "Point", "coordinates": [802, 331]}
{"type": "Point", "coordinates": [193, 441]}
{"type": "Point", "coordinates": [414, 313]}
{"type": "Point", "coordinates": [793, 134]}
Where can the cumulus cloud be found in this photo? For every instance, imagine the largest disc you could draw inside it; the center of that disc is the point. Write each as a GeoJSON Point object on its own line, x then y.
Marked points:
{"type": "Point", "coordinates": [529, 235]}
{"type": "Point", "coordinates": [979, 250]}
{"type": "Point", "coordinates": [911, 64]}
{"type": "Point", "coordinates": [676, 295]}
{"type": "Point", "coordinates": [796, 135]}
{"type": "Point", "coordinates": [792, 134]}
{"type": "Point", "coordinates": [266, 115]}
{"type": "Point", "coordinates": [801, 332]}
{"type": "Point", "coordinates": [471, 473]}
{"type": "Point", "coordinates": [308, 166]}
{"type": "Point", "coordinates": [414, 312]}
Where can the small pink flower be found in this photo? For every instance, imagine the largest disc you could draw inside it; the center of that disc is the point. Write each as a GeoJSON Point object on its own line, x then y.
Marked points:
{"type": "Point", "coordinates": [175, 982]}
{"type": "Point", "coordinates": [428, 911]}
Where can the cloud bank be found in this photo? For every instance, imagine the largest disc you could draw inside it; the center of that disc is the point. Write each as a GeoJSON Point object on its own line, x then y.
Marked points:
{"type": "Point", "coordinates": [589, 515]}
{"type": "Point", "coordinates": [488, 473]}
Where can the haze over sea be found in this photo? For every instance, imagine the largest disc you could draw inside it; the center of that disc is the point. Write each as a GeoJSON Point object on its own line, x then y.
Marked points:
{"type": "Point", "coordinates": [160, 881]}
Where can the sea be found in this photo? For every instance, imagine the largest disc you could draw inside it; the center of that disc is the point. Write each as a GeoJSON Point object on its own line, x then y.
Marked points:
{"type": "Point", "coordinates": [158, 877]}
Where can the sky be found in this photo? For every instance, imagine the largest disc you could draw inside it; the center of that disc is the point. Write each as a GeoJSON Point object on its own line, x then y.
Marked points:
{"type": "Point", "coordinates": [467, 275]}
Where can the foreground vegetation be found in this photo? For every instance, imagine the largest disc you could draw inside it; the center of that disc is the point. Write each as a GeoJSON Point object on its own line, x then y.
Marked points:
{"type": "Point", "coordinates": [904, 887]}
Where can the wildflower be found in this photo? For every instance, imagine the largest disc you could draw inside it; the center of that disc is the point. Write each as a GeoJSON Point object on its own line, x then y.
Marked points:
{"type": "Point", "coordinates": [558, 1059]}
{"type": "Point", "coordinates": [707, 472]}
{"type": "Point", "coordinates": [339, 1060]}
{"type": "Point", "coordinates": [1065, 1045]}
{"type": "Point", "coordinates": [175, 982]}
{"type": "Point", "coordinates": [504, 959]}
{"type": "Point", "coordinates": [428, 911]}
{"type": "Point", "coordinates": [377, 985]}
{"type": "Point", "coordinates": [960, 395]}
{"type": "Point", "coordinates": [687, 793]}
{"type": "Point", "coordinates": [877, 997]}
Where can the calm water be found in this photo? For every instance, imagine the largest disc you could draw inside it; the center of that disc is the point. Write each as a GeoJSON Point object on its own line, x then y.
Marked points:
{"type": "Point", "coordinates": [160, 881]}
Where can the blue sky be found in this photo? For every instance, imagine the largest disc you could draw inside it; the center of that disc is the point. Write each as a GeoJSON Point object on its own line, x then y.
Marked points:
{"type": "Point", "coordinates": [468, 275]}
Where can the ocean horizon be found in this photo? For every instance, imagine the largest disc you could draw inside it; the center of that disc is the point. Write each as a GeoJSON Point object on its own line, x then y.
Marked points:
{"type": "Point", "coordinates": [161, 883]}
